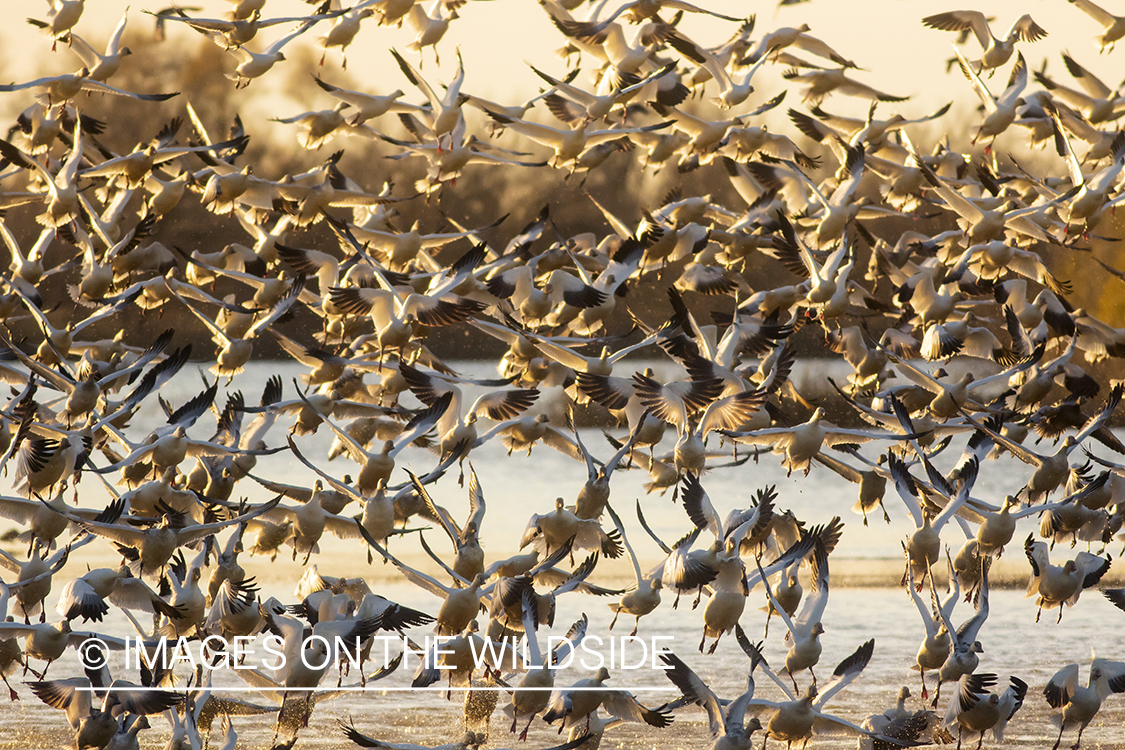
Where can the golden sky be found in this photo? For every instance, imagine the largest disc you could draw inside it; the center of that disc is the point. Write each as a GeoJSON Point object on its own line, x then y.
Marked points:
{"type": "Point", "coordinates": [498, 37]}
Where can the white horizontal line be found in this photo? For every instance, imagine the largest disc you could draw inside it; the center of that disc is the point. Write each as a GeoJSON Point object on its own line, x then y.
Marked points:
{"type": "Point", "coordinates": [357, 689]}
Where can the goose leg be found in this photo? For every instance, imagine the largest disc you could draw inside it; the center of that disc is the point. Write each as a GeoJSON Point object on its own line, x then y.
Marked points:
{"type": "Point", "coordinates": [277, 724]}
{"type": "Point", "coordinates": [12, 694]}
{"type": "Point", "coordinates": [1062, 728]}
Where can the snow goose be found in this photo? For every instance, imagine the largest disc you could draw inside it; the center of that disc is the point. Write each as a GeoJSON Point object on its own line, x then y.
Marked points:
{"type": "Point", "coordinates": [150, 549]}
{"type": "Point", "coordinates": [803, 633]}
{"type": "Point", "coordinates": [344, 30]}
{"type": "Point", "coordinates": [1051, 471]}
{"type": "Point", "coordinates": [253, 65]}
{"type": "Point", "coordinates": [934, 649]}
{"type": "Point", "coordinates": [900, 724]}
{"type": "Point", "coordinates": [102, 66]}
{"type": "Point", "coordinates": [445, 111]}
{"type": "Point", "coordinates": [977, 710]}
{"type": "Point", "coordinates": [561, 527]}
{"type": "Point", "coordinates": [996, 51]}
{"type": "Point", "coordinates": [235, 351]}
{"type": "Point", "coordinates": [640, 10]}
{"type": "Point", "coordinates": [468, 558]}
{"type": "Point", "coordinates": [569, 144]}
{"type": "Point", "coordinates": [375, 469]}
{"type": "Point", "coordinates": [1077, 706]}
{"type": "Point", "coordinates": [234, 610]}
{"type": "Point", "coordinates": [461, 602]}
{"type": "Point", "coordinates": [1114, 25]}
{"type": "Point", "coordinates": [594, 495]}
{"type": "Point", "coordinates": [430, 26]}
{"type": "Point", "coordinates": [230, 33]}
{"type": "Point", "coordinates": [799, 719]}
{"type": "Point", "coordinates": [305, 662]}
{"type": "Point", "coordinates": [731, 93]}
{"type": "Point", "coordinates": [924, 544]}
{"type": "Point", "coordinates": [574, 706]}
{"type": "Point", "coordinates": [821, 83]}
{"type": "Point", "coordinates": [533, 692]}
{"type": "Point", "coordinates": [570, 103]}
{"type": "Point", "coordinates": [457, 430]}
{"type": "Point", "coordinates": [1055, 585]}
{"type": "Point", "coordinates": [48, 641]}
{"type": "Point", "coordinates": [1088, 205]}
{"type": "Point", "coordinates": [61, 195]}
{"type": "Point", "coordinates": [62, 15]}
{"type": "Point", "coordinates": [34, 576]}
{"type": "Point", "coordinates": [729, 728]}
{"type": "Point", "coordinates": [999, 112]}
{"type": "Point", "coordinates": [368, 106]}
{"type": "Point", "coordinates": [76, 696]}
{"type": "Point", "coordinates": [678, 403]}
{"type": "Point", "coordinates": [799, 444]}
{"type": "Point", "coordinates": [963, 659]}
{"type": "Point", "coordinates": [645, 596]}
{"type": "Point", "coordinates": [795, 37]}
{"type": "Point", "coordinates": [317, 128]}
{"type": "Point", "coordinates": [1099, 102]}
{"type": "Point", "coordinates": [724, 607]}
{"type": "Point", "coordinates": [838, 210]}
{"type": "Point", "coordinates": [90, 595]}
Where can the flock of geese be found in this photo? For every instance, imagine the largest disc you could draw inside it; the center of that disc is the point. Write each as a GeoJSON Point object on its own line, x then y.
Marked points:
{"type": "Point", "coordinates": [899, 306]}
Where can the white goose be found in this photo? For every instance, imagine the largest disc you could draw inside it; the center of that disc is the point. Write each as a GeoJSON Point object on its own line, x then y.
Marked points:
{"type": "Point", "coordinates": [996, 51]}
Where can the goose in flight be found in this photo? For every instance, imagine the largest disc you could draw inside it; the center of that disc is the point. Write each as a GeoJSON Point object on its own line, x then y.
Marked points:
{"type": "Point", "coordinates": [803, 633]}
{"type": "Point", "coordinates": [798, 37]}
{"type": "Point", "coordinates": [1055, 585]}
{"type": "Point", "coordinates": [102, 66]}
{"type": "Point", "coordinates": [935, 646]}
{"type": "Point", "coordinates": [731, 93]}
{"type": "Point", "coordinates": [727, 724]}
{"type": "Point", "coordinates": [253, 65]}
{"type": "Point", "coordinates": [644, 598]}
{"type": "Point", "coordinates": [964, 646]}
{"type": "Point", "coordinates": [368, 106]}
{"type": "Point", "coordinates": [1077, 706]}
{"type": "Point", "coordinates": [799, 719]}
{"type": "Point", "coordinates": [1114, 26]}
{"type": "Point", "coordinates": [533, 692]}
{"type": "Point", "coordinates": [62, 15]}
{"type": "Point", "coordinates": [976, 710]}
{"type": "Point", "coordinates": [152, 548]}
{"type": "Point", "coordinates": [63, 88]}
{"type": "Point", "coordinates": [999, 111]}
{"type": "Point", "coordinates": [996, 52]}
{"type": "Point", "coordinates": [574, 706]}
{"type": "Point", "coordinates": [638, 11]}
